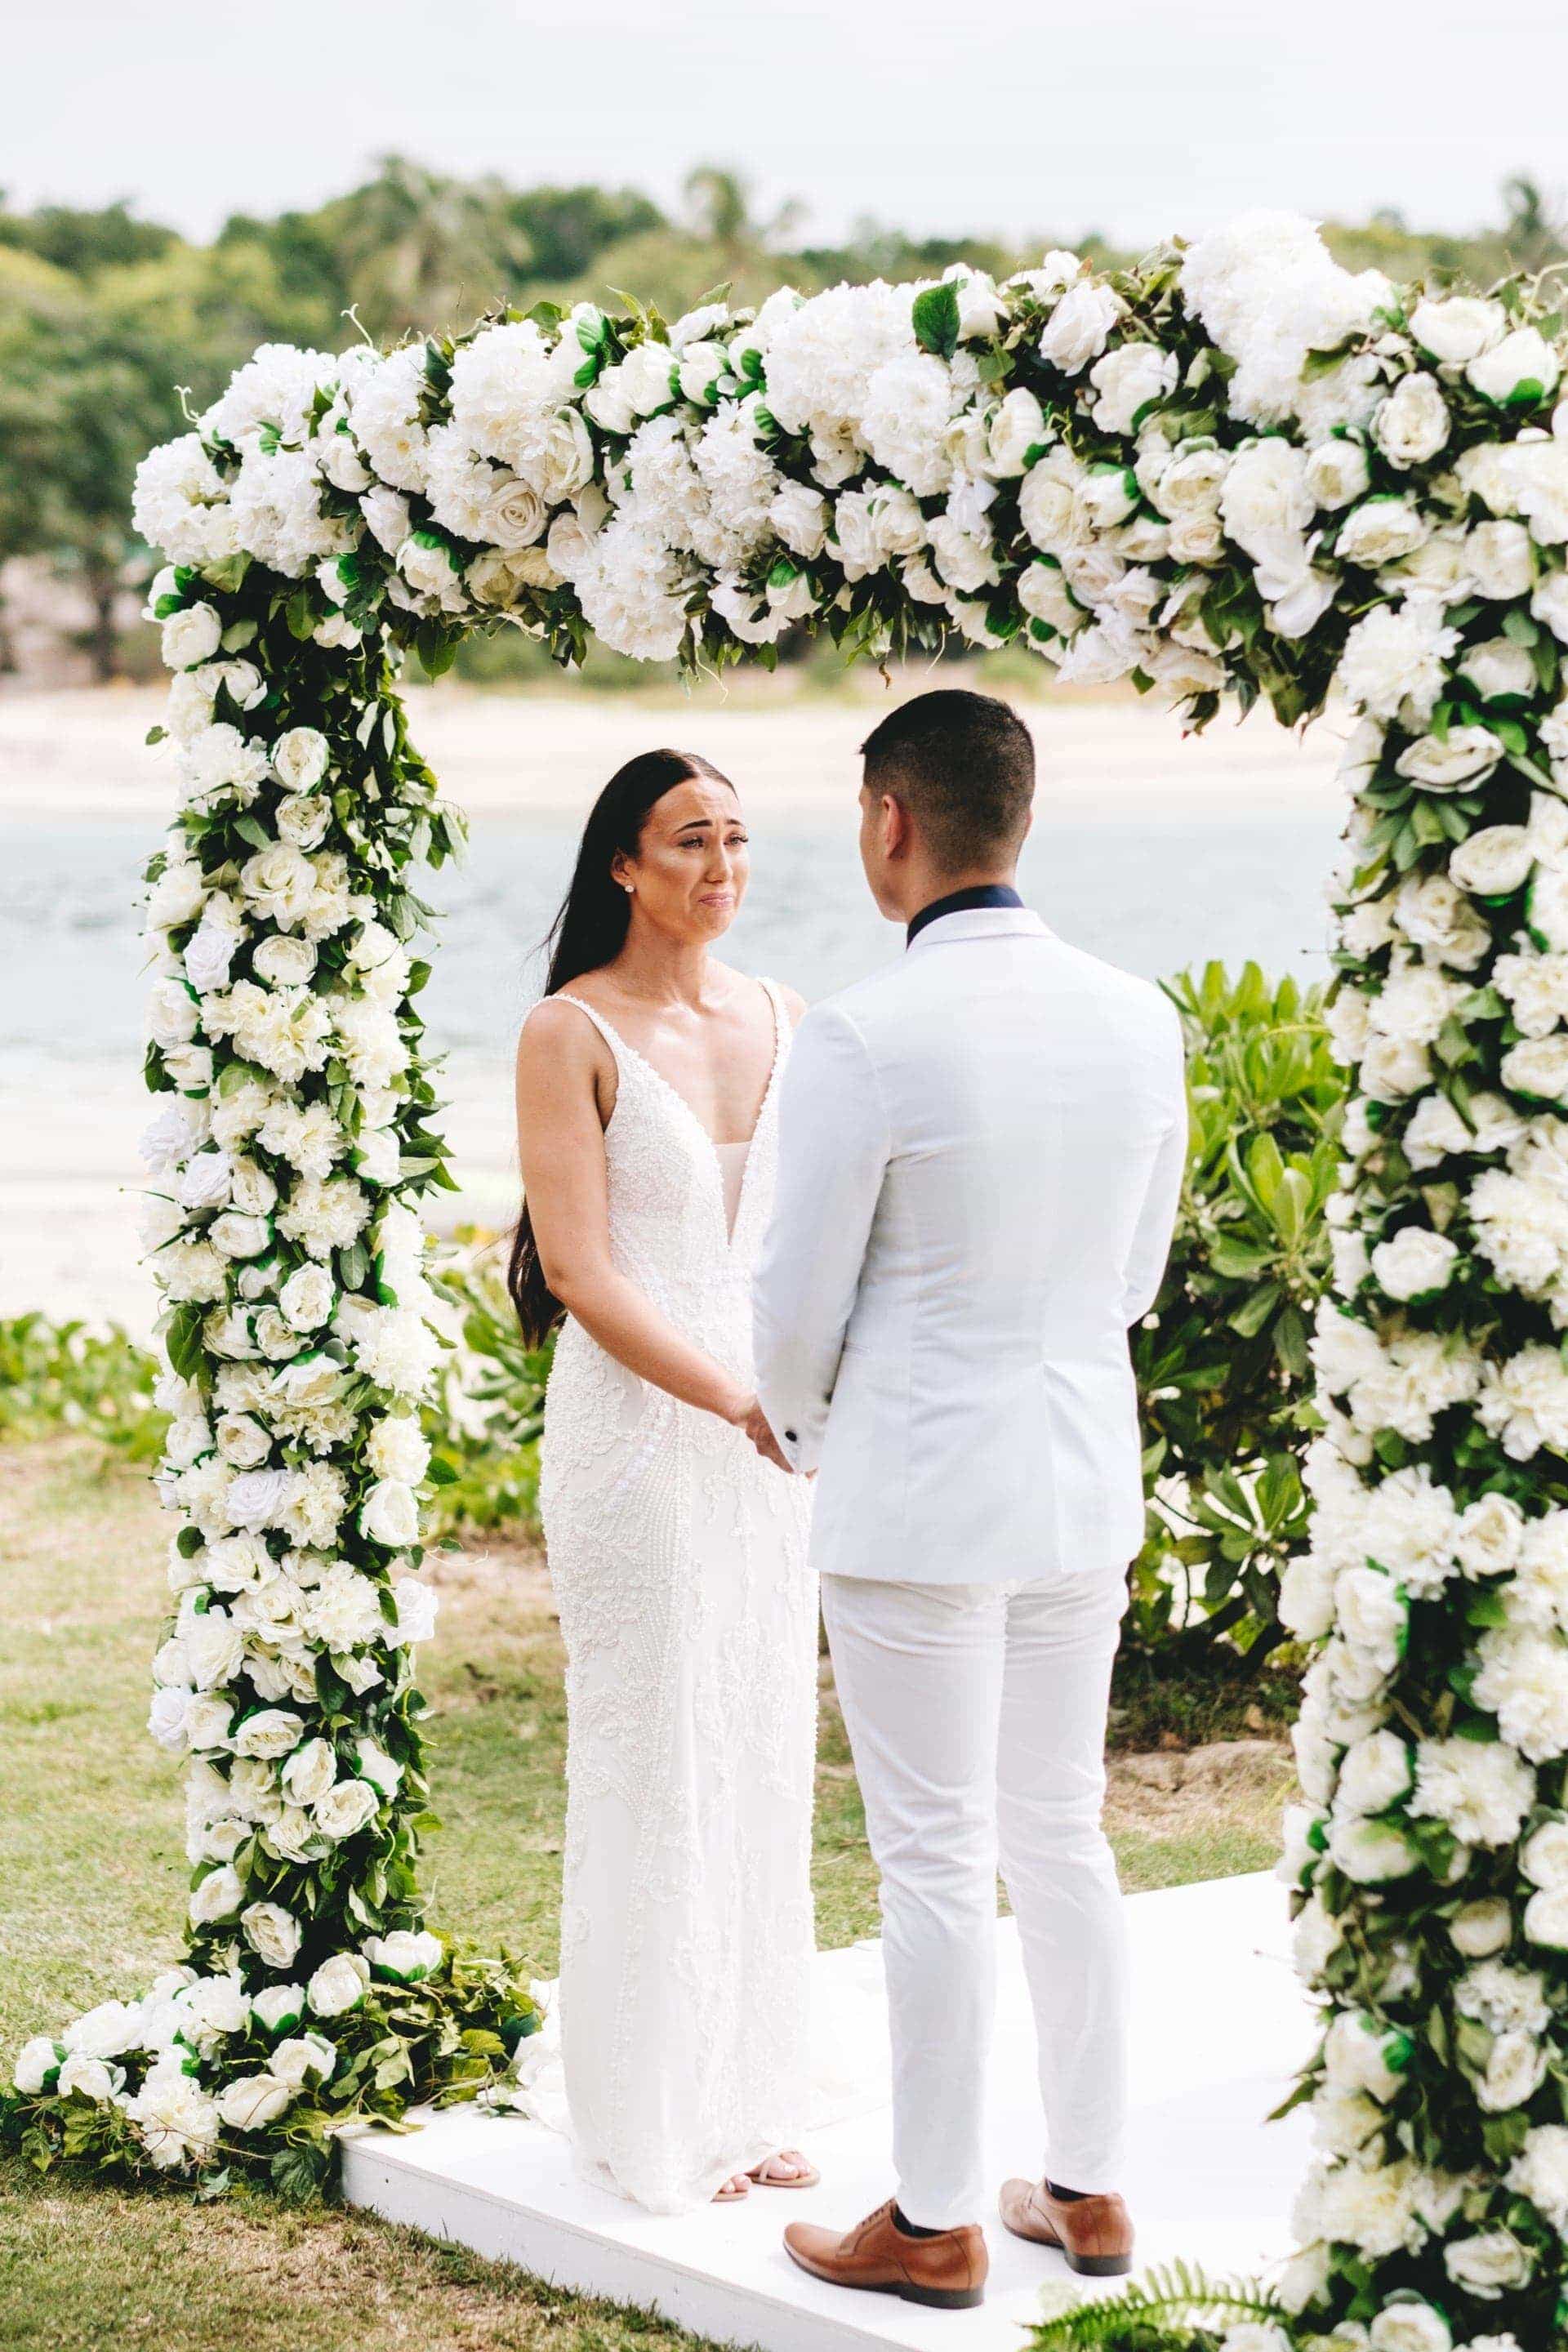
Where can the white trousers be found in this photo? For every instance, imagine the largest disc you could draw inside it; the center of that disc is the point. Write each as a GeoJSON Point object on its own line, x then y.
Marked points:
{"type": "Point", "coordinates": [976, 1716]}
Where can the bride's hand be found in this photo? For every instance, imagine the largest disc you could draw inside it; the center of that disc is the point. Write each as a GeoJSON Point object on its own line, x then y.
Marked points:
{"type": "Point", "coordinates": [748, 1415]}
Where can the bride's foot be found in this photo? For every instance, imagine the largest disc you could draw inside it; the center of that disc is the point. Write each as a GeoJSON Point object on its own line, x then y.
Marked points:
{"type": "Point", "coordinates": [729, 2192]}
{"type": "Point", "coordinates": [786, 2169]}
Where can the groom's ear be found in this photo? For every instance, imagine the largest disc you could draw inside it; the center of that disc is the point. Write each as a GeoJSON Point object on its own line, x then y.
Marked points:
{"type": "Point", "coordinates": [897, 830]}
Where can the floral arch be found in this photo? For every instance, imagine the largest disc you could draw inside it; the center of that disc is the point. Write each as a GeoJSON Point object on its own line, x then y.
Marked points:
{"type": "Point", "coordinates": [1238, 470]}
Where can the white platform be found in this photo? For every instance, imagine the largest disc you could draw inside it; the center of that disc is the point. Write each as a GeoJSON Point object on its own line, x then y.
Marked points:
{"type": "Point", "coordinates": [1219, 2029]}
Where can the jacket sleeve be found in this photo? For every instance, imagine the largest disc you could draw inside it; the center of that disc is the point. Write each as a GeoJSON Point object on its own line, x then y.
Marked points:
{"type": "Point", "coordinates": [1157, 1218]}
{"type": "Point", "coordinates": [834, 1145]}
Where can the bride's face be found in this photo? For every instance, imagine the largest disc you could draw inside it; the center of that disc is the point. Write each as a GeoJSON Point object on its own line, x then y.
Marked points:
{"type": "Point", "coordinates": [693, 864]}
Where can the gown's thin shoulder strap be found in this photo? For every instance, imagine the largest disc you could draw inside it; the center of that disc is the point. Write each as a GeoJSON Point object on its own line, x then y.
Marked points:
{"type": "Point", "coordinates": [774, 995]}
{"type": "Point", "coordinates": [563, 996]}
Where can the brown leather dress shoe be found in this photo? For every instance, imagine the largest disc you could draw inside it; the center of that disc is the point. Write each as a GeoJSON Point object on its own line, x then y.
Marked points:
{"type": "Point", "coordinates": [1095, 2233]}
{"type": "Point", "coordinates": [947, 2271]}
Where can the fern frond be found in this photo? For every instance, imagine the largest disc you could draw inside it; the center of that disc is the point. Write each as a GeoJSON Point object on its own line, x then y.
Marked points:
{"type": "Point", "coordinates": [1172, 2297]}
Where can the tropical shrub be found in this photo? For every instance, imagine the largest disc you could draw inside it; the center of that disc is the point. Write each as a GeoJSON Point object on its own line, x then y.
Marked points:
{"type": "Point", "coordinates": [1222, 1362]}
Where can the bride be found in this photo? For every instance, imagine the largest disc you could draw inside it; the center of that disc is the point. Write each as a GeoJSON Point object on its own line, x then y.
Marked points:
{"type": "Point", "coordinates": [647, 1085]}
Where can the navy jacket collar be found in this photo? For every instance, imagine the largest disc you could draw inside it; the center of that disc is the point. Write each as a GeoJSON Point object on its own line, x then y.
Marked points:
{"type": "Point", "coordinates": [959, 902]}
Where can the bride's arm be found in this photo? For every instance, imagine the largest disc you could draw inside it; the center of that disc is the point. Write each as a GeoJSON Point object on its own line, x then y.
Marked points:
{"type": "Point", "coordinates": [561, 1062]}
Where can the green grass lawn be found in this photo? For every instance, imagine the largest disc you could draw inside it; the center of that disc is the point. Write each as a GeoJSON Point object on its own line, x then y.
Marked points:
{"type": "Point", "coordinates": [92, 1876]}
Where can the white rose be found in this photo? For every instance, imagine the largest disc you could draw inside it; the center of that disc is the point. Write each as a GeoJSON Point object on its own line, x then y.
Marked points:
{"type": "Point", "coordinates": [1481, 1928]}
{"type": "Point", "coordinates": [1538, 1068]}
{"type": "Point", "coordinates": [1488, 2263]}
{"type": "Point", "coordinates": [89, 2078]}
{"type": "Point", "coordinates": [252, 2102]}
{"type": "Point", "coordinates": [390, 1515]}
{"type": "Point", "coordinates": [219, 1896]}
{"type": "Point", "coordinates": [1500, 558]}
{"type": "Point", "coordinates": [242, 1441]}
{"type": "Point", "coordinates": [376, 1766]}
{"type": "Point", "coordinates": [1550, 604]}
{"type": "Point", "coordinates": [346, 1809]}
{"type": "Point", "coordinates": [404, 1955]}
{"type": "Point", "coordinates": [565, 463]}
{"type": "Point", "coordinates": [299, 759]}
{"type": "Point", "coordinates": [396, 1449]}
{"type": "Point", "coordinates": [1127, 379]}
{"type": "Point", "coordinates": [1498, 667]}
{"type": "Point", "coordinates": [1374, 1773]}
{"type": "Point", "coordinates": [514, 516]}
{"type": "Point", "coordinates": [1370, 1852]}
{"type": "Point", "coordinates": [213, 1646]}
{"type": "Point", "coordinates": [37, 2064]}
{"type": "Point", "coordinates": [310, 1771]}
{"type": "Point", "coordinates": [1265, 500]}
{"type": "Point", "coordinates": [1079, 327]}
{"type": "Point", "coordinates": [278, 2006]}
{"type": "Point", "coordinates": [106, 2032]}
{"type": "Point", "coordinates": [281, 883]}
{"type": "Point", "coordinates": [308, 1298]}
{"type": "Point", "coordinates": [1493, 863]}
{"type": "Point", "coordinates": [1338, 474]}
{"type": "Point", "coordinates": [237, 1236]}
{"type": "Point", "coordinates": [1411, 2326]}
{"type": "Point", "coordinates": [285, 962]}
{"type": "Point", "coordinates": [1523, 359]}
{"type": "Point", "coordinates": [271, 1732]}
{"type": "Point", "coordinates": [338, 1985]}
{"type": "Point", "coordinates": [1016, 427]}
{"type": "Point", "coordinates": [1465, 757]}
{"type": "Point", "coordinates": [417, 1606]}
{"type": "Point", "coordinates": [191, 636]}
{"type": "Point", "coordinates": [272, 1932]}
{"type": "Point", "coordinates": [1412, 423]}
{"type": "Point", "coordinates": [1381, 530]}
{"type": "Point", "coordinates": [1458, 328]}
{"type": "Point", "coordinates": [1544, 1857]}
{"type": "Point", "coordinates": [306, 2054]}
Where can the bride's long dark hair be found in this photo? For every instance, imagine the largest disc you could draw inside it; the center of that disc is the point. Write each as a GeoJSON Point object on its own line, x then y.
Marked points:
{"type": "Point", "coordinates": [588, 931]}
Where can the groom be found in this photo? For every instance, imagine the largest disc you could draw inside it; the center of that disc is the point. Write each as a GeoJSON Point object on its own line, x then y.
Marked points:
{"type": "Point", "coordinates": [981, 1156]}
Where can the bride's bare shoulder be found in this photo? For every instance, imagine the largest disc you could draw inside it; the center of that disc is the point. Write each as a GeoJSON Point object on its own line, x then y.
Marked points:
{"type": "Point", "coordinates": [557, 1037]}
{"type": "Point", "coordinates": [794, 1003]}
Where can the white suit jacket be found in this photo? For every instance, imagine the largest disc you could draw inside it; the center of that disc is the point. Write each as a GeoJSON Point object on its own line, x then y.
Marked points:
{"type": "Point", "coordinates": [981, 1158]}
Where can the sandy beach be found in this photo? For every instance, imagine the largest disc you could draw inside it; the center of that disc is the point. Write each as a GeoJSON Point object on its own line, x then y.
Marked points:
{"type": "Point", "coordinates": [1197, 828]}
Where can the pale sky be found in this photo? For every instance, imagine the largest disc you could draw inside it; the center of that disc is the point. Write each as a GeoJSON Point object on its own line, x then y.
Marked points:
{"type": "Point", "coordinates": [1139, 117]}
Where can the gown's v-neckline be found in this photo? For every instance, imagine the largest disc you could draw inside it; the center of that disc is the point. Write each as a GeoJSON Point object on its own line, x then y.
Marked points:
{"type": "Point", "coordinates": [620, 1044]}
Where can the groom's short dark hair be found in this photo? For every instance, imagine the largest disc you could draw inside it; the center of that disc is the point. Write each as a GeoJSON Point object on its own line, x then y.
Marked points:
{"type": "Point", "coordinates": [963, 766]}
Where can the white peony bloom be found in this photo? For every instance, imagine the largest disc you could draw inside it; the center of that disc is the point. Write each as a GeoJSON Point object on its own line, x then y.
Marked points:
{"type": "Point", "coordinates": [175, 2121]}
{"type": "Point", "coordinates": [1500, 558]}
{"type": "Point", "coordinates": [299, 759]}
{"type": "Point", "coordinates": [1395, 657]}
{"type": "Point", "coordinates": [1481, 1789]}
{"type": "Point", "coordinates": [1375, 1772]}
{"type": "Point", "coordinates": [1498, 670]}
{"type": "Point", "coordinates": [1337, 474]}
{"type": "Point", "coordinates": [1465, 756]}
{"type": "Point", "coordinates": [1523, 1681]}
{"type": "Point", "coordinates": [1540, 2173]}
{"type": "Point", "coordinates": [253, 2101]}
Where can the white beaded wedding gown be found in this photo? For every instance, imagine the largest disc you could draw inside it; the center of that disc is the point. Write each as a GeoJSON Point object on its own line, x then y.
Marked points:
{"type": "Point", "coordinates": [689, 1616]}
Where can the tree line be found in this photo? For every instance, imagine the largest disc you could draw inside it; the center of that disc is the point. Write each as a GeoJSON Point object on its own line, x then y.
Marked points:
{"type": "Point", "coordinates": [111, 324]}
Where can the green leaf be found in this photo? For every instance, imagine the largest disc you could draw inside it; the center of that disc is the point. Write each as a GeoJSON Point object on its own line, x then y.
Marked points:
{"type": "Point", "coordinates": [935, 316]}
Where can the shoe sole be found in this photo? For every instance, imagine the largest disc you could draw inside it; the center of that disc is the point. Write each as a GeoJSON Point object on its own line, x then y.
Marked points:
{"type": "Point", "coordinates": [935, 2298]}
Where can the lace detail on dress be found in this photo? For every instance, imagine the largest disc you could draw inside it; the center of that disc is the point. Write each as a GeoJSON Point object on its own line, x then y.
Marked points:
{"type": "Point", "coordinates": [689, 1616]}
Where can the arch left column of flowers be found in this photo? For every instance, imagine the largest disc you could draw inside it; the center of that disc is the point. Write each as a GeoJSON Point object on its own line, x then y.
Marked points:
{"type": "Point", "coordinates": [290, 1141]}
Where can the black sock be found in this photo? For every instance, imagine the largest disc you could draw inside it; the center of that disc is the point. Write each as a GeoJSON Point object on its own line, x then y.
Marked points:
{"type": "Point", "coordinates": [1067, 2195]}
{"type": "Point", "coordinates": [912, 2228]}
